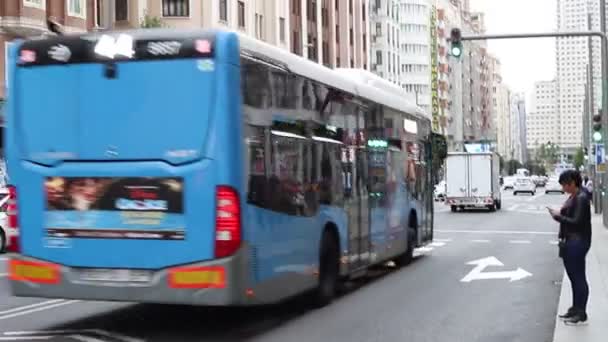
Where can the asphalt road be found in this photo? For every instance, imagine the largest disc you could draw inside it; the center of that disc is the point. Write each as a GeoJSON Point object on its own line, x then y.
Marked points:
{"type": "Point", "coordinates": [439, 297]}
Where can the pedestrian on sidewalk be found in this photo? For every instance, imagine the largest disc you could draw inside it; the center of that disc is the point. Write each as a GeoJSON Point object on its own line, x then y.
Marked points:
{"type": "Point", "coordinates": [575, 240]}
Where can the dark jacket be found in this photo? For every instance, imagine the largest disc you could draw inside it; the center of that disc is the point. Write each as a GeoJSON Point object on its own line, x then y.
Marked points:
{"type": "Point", "coordinates": [575, 217]}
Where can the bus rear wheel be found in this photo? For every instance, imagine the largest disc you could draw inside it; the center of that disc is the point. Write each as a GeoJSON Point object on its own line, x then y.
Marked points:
{"type": "Point", "coordinates": [329, 268]}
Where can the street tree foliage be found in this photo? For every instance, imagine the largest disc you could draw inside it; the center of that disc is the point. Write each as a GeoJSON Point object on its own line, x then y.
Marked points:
{"type": "Point", "coordinates": [439, 151]}
{"type": "Point", "coordinates": [149, 21]}
{"type": "Point", "coordinates": [579, 158]}
{"type": "Point", "coordinates": [512, 166]}
{"type": "Point", "coordinates": [548, 153]}
{"type": "Point", "coordinates": [536, 168]}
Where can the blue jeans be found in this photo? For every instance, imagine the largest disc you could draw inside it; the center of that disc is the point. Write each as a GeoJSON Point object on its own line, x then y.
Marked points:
{"type": "Point", "coordinates": [574, 262]}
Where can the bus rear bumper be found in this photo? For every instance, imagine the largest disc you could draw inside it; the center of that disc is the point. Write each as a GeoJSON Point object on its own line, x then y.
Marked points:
{"type": "Point", "coordinates": [228, 288]}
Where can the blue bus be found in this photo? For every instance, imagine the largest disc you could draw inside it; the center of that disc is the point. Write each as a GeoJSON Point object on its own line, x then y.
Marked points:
{"type": "Point", "coordinates": [204, 167]}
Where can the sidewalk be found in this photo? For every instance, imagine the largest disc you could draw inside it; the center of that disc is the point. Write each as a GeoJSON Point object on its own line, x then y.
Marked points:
{"type": "Point", "coordinates": [597, 308]}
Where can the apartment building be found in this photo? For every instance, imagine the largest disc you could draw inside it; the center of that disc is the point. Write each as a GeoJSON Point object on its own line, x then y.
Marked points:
{"type": "Point", "coordinates": [267, 20]}
{"type": "Point", "coordinates": [332, 32]}
{"type": "Point", "coordinates": [386, 50]}
{"type": "Point", "coordinates": [419, 37]}
{"type": "Point", "coordinates": [542, 121]}
{"type": "Point", "coordinates": [27, 18]}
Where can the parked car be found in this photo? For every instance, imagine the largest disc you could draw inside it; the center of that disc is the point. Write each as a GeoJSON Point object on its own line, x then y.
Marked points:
{"type": "Point", "coordinates": [524, 185]}
{"type": "Point", "coordinates": [553, 186]}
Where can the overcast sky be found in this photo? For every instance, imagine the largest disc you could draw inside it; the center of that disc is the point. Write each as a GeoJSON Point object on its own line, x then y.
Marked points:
{"type": "Point", "coordinates": [524, 61]}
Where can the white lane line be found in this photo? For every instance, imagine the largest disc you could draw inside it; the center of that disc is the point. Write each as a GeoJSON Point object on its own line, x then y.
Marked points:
{"type": "Point", "coordinates": [25, 338]}
{"type": "Point", "coordinates": [513, 207]}
{"type": "Point", "coordinates": [480, 241]}
{"type": "Point", "coordinates": [3, 275]}
{"type": "Point", "coordinates": [71, 332]}
{"type": "Point", "coordinates": [442, 240]}
{"type": "Point", "coordinates": [437, 244]}
{"type": "Point", "coordinates": [495, 232]}
{"type": "Point", "coordinates": [3, 258]}
{"type": "Point", "coordinates": [520, 242]}
{"type": "Point", "coordinates": [553, 242]}
{"type": "Point", "coordinates": [25, 307]}
{"type": "Point", "coordinates": [26, 312]}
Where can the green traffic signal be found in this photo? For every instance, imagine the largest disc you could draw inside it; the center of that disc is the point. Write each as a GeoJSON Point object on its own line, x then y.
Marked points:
{"type": "Point", "coordinates": [455, 43]}
{"type": "Point", "coordinates": [597, 127]}
{"type": "Point", "coordinates": [456, 50]}
{"type": "Point", "coordinates": [597, 136]}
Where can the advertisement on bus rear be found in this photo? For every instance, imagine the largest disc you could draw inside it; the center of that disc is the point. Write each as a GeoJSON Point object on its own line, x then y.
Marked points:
{"type": "Point", "coordinates": [115, 208]}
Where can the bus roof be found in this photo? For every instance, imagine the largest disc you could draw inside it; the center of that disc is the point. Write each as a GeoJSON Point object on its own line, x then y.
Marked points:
{"type": "Point", "coordinates": [354, 81]}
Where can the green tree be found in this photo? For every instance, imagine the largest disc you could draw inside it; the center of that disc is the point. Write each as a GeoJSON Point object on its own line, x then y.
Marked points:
{"type": "Point", "coordinates": [149, 21]}
{"type": "Point", "coordinates": [439, 150]}
{"type": "Point", "coordinates": [512, 166]}
{"type": "Point", "coordinates": [579, 158]}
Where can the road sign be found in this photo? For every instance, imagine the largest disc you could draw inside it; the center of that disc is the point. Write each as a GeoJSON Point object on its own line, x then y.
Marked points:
{"type": "Point", "coordinates": [481, 264]}
{"type": "Point", "coordinates": [600, 158]}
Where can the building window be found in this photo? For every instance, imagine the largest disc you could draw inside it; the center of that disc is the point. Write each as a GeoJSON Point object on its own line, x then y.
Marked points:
{"type": "Point", "coordinates": [282, 29]}
{"type": "Point", "coordinates": [223, 10]}
{"type": "Point", "coordinates": [241, 12]}
{"type": "Point", "coordinates": [295, 43]}
{"type": "Point", "coordinates": [259, 26]}
{"type": "Point", "coordinates": [176, 8]}
{"type": "Point", "coordinates": [326, 53]}
{"type": "Point", "coordinates": [364, 42]}
{"type": "Point", "coordinates": [35, 3]}
{"type": "Point", "coordinates": [337, 34]}
{"type": "Point", "coordinates": [97, 13]}
{"type": "Point", "coordinates": [77, 8]}
{"type": "Point", "coordinates": [121, 11]}
{"type": "Point", "coordinates": [350, 6]}
{"type": "Point", "coordinates": [352, 36]}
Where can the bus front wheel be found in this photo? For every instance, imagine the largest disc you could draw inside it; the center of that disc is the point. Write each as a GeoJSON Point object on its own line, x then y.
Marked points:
{"type": "Point", "coordinates": [329, 268]}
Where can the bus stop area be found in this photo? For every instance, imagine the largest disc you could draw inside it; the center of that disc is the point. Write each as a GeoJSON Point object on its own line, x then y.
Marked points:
{"type": "Point", "coordinates": [597, 308]}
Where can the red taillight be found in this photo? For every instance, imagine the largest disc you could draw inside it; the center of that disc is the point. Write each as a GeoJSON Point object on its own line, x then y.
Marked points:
{"type": "Point", "coordinates": [12, 215]}
{"type": "Point", "coordinates": [227, 221]}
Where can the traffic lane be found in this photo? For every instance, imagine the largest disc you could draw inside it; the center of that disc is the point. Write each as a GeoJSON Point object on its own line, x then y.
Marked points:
{"type": "Point", "coordinates": [428, 302]}
{"type": "Point", "coordinates": [423, 302]}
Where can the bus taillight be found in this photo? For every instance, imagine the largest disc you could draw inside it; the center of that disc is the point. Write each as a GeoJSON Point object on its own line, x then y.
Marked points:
{"type": "Point", "coordinates": [12, 215]}
{"type": "Point", "coordinates": [227, 221]}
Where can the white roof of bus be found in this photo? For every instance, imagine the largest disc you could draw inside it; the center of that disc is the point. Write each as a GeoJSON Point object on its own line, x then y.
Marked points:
{"type": "Point", "coordinates": [357, 82]}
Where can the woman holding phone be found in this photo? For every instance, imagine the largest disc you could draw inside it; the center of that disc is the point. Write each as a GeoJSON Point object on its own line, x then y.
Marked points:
{"type": "Point", "coordinates": [575, 240]}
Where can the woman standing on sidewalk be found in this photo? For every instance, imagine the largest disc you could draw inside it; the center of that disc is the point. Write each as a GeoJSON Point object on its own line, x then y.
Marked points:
{"type": "Point", "coordinates": [575, 241]}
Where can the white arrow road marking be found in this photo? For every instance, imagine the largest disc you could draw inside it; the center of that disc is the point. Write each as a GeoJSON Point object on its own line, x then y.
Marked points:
{"type": "Point", "coordinates": [480, 264]}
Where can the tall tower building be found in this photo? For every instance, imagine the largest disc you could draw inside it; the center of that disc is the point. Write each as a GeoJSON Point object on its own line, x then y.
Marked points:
{"type": "Point", "coordinates": [572, 56]}
{"type": "Point", "coordinates": [542, 122]}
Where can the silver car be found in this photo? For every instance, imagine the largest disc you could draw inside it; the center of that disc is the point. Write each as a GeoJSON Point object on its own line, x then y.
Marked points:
{"type": "Point", "coordinates": [524, 185]}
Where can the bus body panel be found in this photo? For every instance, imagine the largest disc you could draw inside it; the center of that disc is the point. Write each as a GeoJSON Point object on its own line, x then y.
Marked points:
{"type": "Point", "coordinates": [123, 127]}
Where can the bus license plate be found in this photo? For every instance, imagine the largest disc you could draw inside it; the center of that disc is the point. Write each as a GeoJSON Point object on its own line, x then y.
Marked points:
{"type": "Point", "coordinates": [114, 275]}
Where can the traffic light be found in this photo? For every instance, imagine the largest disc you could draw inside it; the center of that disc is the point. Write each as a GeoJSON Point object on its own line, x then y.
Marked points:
{"type": "Point", "coordinates": [597, 128]}
{"type": "Point", "coordinates": [455, 43]}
